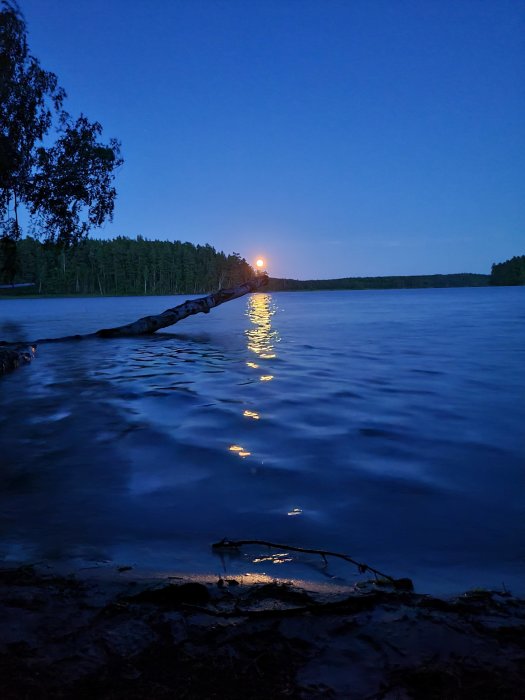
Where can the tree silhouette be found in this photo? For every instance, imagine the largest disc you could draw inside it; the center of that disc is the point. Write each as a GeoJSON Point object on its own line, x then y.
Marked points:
{"type": "Point", "coordinates": [66, 187]}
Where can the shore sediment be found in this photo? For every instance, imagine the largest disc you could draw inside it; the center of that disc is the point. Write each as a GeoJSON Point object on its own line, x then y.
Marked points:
{"type": "Point", "coordinates": [125, 636]}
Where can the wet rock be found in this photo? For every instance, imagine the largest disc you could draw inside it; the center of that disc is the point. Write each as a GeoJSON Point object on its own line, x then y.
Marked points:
{"type": "Point", "coordinates": [129, 638]}
{"type": "Point", "coordinates": [174, 595]}
{"type": "Point", "coordinates": [270, 641]}
{"type": "Point", "coordinates": [282, 592]}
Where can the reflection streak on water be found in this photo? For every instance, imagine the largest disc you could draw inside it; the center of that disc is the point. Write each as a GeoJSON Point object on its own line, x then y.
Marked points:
{"type": "Point", "coordinates": [281, 558]}
{"type": "Point", "coordinates": [239, 450]}
{"type": "Point", "coordinates": [261, 340]}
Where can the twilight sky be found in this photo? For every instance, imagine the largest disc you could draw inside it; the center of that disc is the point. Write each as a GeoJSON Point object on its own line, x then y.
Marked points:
{"type": "Point", "coordinates": [333, 137]}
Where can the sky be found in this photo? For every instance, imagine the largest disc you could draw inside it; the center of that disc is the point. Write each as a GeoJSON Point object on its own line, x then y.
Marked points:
{"type": "Point", "coordinates": [332, 138]}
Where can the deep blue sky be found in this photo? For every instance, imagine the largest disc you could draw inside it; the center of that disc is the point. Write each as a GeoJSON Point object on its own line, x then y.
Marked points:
{"type": "Point", "coordinates": [361, 137]}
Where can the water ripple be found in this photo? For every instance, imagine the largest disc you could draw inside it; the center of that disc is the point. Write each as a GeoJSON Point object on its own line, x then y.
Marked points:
{"type": "Point", "coordinates": [380, 427]}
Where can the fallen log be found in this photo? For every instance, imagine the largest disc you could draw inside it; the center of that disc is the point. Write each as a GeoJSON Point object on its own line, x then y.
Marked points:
{"type": "Point", "coordinates": [12, 355]}
{"type": "Point", "coordinates": [150, 324]}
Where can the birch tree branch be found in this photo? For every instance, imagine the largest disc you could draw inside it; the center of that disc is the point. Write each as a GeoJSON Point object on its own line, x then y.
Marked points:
{"type": "Point", "coordinates": [150, 324]}
{"type": "Point", "coordinates": [12, 355]}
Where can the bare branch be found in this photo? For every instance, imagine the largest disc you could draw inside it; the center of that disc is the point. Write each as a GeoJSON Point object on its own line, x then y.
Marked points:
{"type": "Point", "coordinates": [226, 545]}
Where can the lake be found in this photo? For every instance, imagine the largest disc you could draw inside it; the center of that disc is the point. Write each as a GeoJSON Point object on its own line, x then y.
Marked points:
{"type": "Point", "coordinates": [388, 425]}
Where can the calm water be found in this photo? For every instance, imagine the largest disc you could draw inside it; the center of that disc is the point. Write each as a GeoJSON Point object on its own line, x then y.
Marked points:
{"type": "Point", "coordinates": [385, 424]}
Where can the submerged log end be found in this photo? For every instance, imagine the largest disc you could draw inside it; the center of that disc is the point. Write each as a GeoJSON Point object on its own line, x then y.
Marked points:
{"type": "Point", "coordinates": [12, 357]}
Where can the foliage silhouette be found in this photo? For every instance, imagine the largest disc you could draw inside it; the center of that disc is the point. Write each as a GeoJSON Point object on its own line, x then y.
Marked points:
{"type": "Point", "coordinates": [53, 167]}
{"type": "Point", "coordinates": [126, 266]}
{"type": "Point", "coordinates": [510, 272]}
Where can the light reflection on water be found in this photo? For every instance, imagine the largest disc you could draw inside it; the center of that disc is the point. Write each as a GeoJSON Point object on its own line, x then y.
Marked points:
{"type": "Point", "coordinates": [392, 428]}
{"type": "Point", "coordinates": [262, 338]}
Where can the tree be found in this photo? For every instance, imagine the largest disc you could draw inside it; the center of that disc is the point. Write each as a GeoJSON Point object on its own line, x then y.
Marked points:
{"type": "Point", "coordinates": [66, 187]}
{"type": "Point", "coordinates": [126, 266]}
{"type": "Point", "coordinates": [71, 189]}
{"type": "Point", "coordinates": [510, 272]}
{"type": "Point", "coordinates": [28, 97]}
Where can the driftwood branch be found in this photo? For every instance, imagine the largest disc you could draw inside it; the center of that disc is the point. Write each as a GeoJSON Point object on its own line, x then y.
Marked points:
{"type": "Point", "coordinates": [225, 545]}
{"type": "Point", "coordinates": [12, 355]}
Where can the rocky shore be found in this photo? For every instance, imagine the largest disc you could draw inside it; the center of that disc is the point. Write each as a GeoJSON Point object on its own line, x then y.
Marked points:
{"type": "Point", "coordinates": [123, 636]}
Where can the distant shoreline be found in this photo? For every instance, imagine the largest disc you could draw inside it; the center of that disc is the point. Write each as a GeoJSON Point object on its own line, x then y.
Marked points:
{"type": "Point", "coordinates": [464, 279]}
{"type": "Point", "coordinates": [291, 285]}
{"type": "Point", "coordinates": [127, 267]}
{"type": "Point", "coordinates": [355, 284]}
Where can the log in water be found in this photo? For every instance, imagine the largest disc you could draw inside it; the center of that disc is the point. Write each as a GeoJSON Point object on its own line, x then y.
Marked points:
{"type": "Point", "coordinates": [14, 355]}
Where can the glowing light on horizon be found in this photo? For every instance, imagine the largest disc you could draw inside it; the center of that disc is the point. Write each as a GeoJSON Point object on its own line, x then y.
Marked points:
{"type": "Point", "coordinates": [260, 263]}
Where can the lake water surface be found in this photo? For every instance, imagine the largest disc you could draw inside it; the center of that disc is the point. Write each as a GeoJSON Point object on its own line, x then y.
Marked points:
{"type": "Point", "coordinates": [385, 424]}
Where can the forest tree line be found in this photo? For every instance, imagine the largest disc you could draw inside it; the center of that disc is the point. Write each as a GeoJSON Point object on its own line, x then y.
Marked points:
{"type": "Point", "coordinates": [395, 282]}
{"type": "Point", "coordinates": [510, 272]}
{"type": "Point", "coordinates": [125, 266]}
{"type": "Point", "coordinates": [138, 266]}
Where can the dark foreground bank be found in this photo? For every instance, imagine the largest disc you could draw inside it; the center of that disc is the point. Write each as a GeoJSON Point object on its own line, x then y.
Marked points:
{"type": "Point", "coordinates": [125, 637]}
